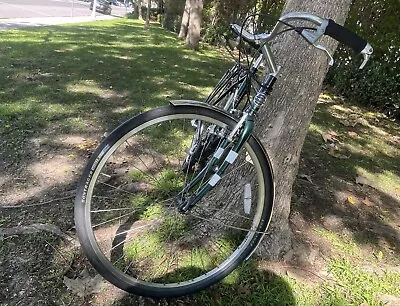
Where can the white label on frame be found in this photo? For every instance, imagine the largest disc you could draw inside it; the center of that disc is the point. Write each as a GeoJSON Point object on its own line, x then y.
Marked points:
{"type": "Point", "coordinates": [231, 157]}
{"type": "Point", "coordinates": [214, 179]}
{"type": "Point", "coordinates": [218, 153]}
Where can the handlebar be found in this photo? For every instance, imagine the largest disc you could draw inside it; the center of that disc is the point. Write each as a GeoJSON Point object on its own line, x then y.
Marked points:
{"type": "Point", "coordinates": [345, 36]}
{"type": "Point", "coordinates": [324, 26]}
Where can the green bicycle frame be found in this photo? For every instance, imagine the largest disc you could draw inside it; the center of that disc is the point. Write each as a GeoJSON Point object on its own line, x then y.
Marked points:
{"type": "Point", "coordinates": [238, 136]}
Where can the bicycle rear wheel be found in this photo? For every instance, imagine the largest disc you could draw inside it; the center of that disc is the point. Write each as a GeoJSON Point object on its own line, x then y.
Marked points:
{"type": "Point", "coordinates": [223, 94]}
{"type": "Point", "coordinates": [126, 209]}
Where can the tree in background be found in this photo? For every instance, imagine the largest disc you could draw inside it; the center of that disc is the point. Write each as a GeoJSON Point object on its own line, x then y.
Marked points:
{"type": "Point", "coordinates": [191, 23]}
{"type": "Point", "coordinates": [172, 14]}
{"type": "Point", "coordinates": [139, 5]}
{"type": "Point", "coordinates": [147, 24]}
{"type": "Point", "coordinates": [185, 21]}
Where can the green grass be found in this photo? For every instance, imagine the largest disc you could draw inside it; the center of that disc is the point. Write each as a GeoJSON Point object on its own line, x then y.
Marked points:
{"type": "Point", "coordinates": [353, 286]}
{"type": "Point", "coordinates": [82, 79]}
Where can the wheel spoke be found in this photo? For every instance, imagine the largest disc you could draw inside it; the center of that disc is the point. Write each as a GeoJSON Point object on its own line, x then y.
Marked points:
{"type": "Point", "coordinates": [128, 211]}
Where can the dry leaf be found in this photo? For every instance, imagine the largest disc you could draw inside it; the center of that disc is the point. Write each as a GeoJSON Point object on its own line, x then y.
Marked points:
{"type": "Point", "coordinates": [363, 181]}
{"type": "Point", "coordinates": [389, 300]}
{"type": "Point", "coordinates": [306, 177]}
{"type": "Point", "coordinates": [84, 285]}
{"type": "Point", "coordinates": [362, 121]}
{"type": "Point", "coordinates": [367, 202]}
{"type": "Point", "coordinates": [352, 134]}
{"type": "Point", "coordinates": [334, 151]}
{"type": "Point", "coordinates": [244, 289]}
{"type": "Point", "coordinates": [351, 200]}
{"type": "Point", "coordinates": [330, 136]}
{"type": "Point", "coordinates": [290, 274]}
{"type": "Point", "coordinates": [327, 137]}
{"type": "Point", "coordinates": [349, 123]}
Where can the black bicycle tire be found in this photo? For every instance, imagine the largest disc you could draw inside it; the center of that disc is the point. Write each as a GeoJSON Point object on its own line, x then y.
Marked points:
{"type": "Point", "coordinates": [129, 284]}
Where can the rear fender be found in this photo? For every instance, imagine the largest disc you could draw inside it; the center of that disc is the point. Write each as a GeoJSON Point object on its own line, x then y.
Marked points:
{"type": "Point", "coordinates": [201, 104]}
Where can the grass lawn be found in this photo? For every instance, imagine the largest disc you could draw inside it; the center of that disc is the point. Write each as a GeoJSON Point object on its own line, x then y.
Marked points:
{"type": "Point", "coordinates": [63, 87]}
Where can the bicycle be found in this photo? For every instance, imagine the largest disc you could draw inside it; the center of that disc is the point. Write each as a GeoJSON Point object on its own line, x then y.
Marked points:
{"type": "Point", "coordinates": [154, 227]}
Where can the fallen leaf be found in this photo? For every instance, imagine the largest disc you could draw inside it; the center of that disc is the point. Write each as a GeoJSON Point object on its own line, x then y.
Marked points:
{"type": "Point", "coordinates": [330, 136]}
{"type": "Point", "coordinates": [389, 300]}
{"type": "Point", "coordinates": [327, 137]}
{"type": "Point", "coordinates": [363, 181]}
{"type": "Point", "coordinates": [348, 123]}
{"type": "Point", "coordinates": [245, 289]}
{"type": "Point", "coordinates": [84, 285]}
{"type": "Point", "coordinates": [367, 202]}
{"type": "Point", "coordinates": [290, 274]}
{"type": "Point", "coordinates": [335, 152]}
{"type": "Point", "coordinates": [306, 177]}
{"type": "Point", "coordinates": [351, 200]}
{"type": "Point", "coordinates": [362, 121]}
{"type": "Point", "coordinates": [352, 134]}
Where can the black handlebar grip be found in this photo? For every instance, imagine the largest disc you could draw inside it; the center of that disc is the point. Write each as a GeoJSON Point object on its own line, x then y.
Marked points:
{"type": "Point", "coordinates": [345, 36]}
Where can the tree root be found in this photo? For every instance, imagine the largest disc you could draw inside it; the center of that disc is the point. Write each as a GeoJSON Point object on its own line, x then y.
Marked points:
{"type": "Point", "coordinates": [38, 204]}
{"type": "Point", "coordinates": [36, 228]}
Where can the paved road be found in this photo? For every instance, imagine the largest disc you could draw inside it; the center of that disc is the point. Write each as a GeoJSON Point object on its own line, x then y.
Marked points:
{"type": "Point", "coordinates": [49, 8]}
{"type": "Point", "coordinates": [25, 13]}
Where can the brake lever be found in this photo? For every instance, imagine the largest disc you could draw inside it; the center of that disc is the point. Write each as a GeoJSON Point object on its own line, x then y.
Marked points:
{"type": "Point", "coordinates": [331, 61]}
{"type": "Point", "coordinates": [313, 36]}
{"type": "Point", "coordinates": [366, 52]}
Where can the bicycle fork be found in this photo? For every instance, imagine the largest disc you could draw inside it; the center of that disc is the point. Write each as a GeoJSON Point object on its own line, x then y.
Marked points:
{"type": "Point", "coordinates": [238, 136]}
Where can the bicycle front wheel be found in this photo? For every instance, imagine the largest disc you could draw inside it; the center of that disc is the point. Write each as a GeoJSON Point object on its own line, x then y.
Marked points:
{"type": "Point", "coordinates": [127, 206]}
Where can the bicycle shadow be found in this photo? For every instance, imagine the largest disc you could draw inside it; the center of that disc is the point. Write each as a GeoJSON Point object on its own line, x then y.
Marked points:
{"type": "Point", "coordinates": [249, 284]}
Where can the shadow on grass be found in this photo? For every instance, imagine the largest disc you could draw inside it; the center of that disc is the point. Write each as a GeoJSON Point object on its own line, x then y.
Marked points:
{"type": "Point", "coordinates": [75, 79]}
{"type": "Point", "coordinates": [61, 88]}
{"type": "Point", "coordinates": [368, 151]}
{"type": "Point", "coordinates": [248, 285]}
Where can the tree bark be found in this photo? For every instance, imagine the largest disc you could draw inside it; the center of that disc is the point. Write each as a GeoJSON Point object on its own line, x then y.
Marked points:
{"type": "Point", "coordinates": [147, 24]}
{"type": "Point", "coordinates": [139, 4]}
{"type": "Point", "coordinates": [195, 16]}
{"type": "Point", "coordinates": [286, 115]}
{"type": "Point", "coordinates": [185, 21]}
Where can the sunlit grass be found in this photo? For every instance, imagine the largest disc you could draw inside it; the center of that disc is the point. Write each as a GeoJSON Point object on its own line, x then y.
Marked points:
{"type": "Point", "coordinates": [342, 243]}
{"type": "Point", "coordinates": [169, 181]}
{"type": "Point", "coordinates": [353, 286]}
{"type": "Point", "coordinates": [387, 181]}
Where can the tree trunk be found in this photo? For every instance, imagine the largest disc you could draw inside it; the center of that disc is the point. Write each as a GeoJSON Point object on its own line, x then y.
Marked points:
{"type": "Point", "coordinates": [139, 4]}
{"type": "Point", "coordinates": [147, 24]}
{"type": "Point", "coordinates": [286, 115]}
{"type": "Point", "coordinates": [195, 16]}
{"type": "Point", "coordinates": [185, 21]}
